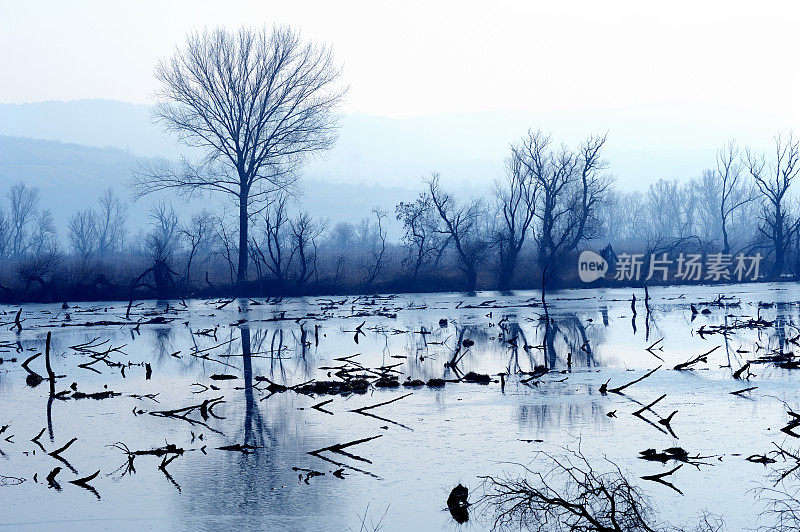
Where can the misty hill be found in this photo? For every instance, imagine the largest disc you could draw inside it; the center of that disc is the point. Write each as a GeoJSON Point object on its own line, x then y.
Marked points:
{"type": "Point", "coordinates": [646, 142]}
{"type": "Point", "coordinates": [71, 176]}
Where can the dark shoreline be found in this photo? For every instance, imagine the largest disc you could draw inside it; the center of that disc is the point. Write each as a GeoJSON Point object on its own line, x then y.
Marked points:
{"type": "Point", "coordinates": [254, 289]}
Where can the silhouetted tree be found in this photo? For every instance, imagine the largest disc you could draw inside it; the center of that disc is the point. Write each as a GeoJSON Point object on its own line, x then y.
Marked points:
{"type": "Point", "coordinates": [420, 236]}
{"type": "Point", "coordinates": [305, 232]}
{"type": "Point", "coordinates": [773, 180]}
{"type": "Point", "coordinates": [162, 242]}
{"type": "Point", "coordinates": [516, 198]}
{"type": "Point", "coordinates": [461, 223]}
{"type": "Point", "coordinates": [668, 217]}
{"type": "Point", "coordinates": [570, 188]}
{"type": "Point", "coordinates": [44, 238]}
{"type": "Point", "coordinates": [343, 235]}
{"type": "Point", "coordinates": [377, 249]}
{"type": "Point", "coordinates": [731, 191]}
{"type": "Point", "coordinates": [162, 239]}
{"type": "Point", "coordinates": [275, 249]}
{"type": "Point", "coordinates": [111, 214]}
{"type": "Point", "coordinates": [82, 232]}
{"type": "Point", "coordinates": [5, 233]}
{"type": "Point", "coordinates": [24, 204]}
{"type": "Point", "coordinates": [197, 233]}
{"type": "Point", "coordinates": [257, 102]}
{"type": "Point", "coordinates": [226, 235]}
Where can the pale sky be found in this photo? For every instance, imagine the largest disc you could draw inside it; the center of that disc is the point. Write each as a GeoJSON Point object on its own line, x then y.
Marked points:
{"type": "Point", "coordinates": [416, 58]}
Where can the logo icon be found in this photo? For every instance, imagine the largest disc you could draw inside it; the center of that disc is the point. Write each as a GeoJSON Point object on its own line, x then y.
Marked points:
{"type": "Point", "coordinates": [591, 266]}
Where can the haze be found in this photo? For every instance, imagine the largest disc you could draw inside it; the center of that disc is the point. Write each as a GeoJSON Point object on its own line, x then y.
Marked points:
{"type": "Point", "coordinates": [417, 58]}
{"type": "Point", "coordinates": [442, 87]}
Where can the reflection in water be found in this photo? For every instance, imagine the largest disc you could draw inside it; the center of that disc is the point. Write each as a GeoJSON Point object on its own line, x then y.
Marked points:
{"type": "Point", "coordinates": [253, 428]}
{"type": "Point", "coordinates": [298, 340]}
{"type": "Point", "coordinates": [564, 338]}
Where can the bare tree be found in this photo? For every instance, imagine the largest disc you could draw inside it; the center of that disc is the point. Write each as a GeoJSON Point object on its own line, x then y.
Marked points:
{"type": "Point", "coordinates": [44, 238]}
{"type": "Point", "coordinates": [226, 235]}
{"type": "Point", "coordinates": [162, 239]}
{"type": "Point", "coordinates": [275, 251]}
{"type": "Point", "coordinates": [256, 102]}
{"type": "Point", "coordinates": [162, 242]}
{"type": "Point", "coordinates": [782, 507]}
{"type": "Point", "coordinates": [305, 233]}
{"type": "Point", "coordinates": [516, 198]}
{"type": "Point", "coordinates": [5, 233]}
{"type": "Point", "coordinates": [667, 217]}
{"type": "Point", "coordinates": [461, 223]}
{"type": "Point", "coordinates": [24, 204]}
{"type": "Point", "coordinates": [41, 268]}
{"type": "Point", "coordinates": [706, 195]}
{"type": "Point", "coordinates": [733, 193]}
{"type": "Point", "coordinates": [621, 216]}
{"type": "Point", "coordinates": [571, 186]}
{"type": "Point", "coordinates": [82, 233]}
{"type": "Point", "coordinates": [197, 233]}
{"type": "Point", "coordinates": [342, 235]}
{"type": "Point", "coordinates": [377, 249]}
{"type": "Point", "coordinates": [567, 493]}
{"type": "Point", "coordinates": [420, 237]}
{"type": "Point", "coordinates": [111, 215]}
{"type": "Point", "coordinates": [773, 180]}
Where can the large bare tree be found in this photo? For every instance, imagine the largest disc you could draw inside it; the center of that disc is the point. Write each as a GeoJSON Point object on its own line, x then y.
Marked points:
{"type": "Point", "coordinates": [255, 102]}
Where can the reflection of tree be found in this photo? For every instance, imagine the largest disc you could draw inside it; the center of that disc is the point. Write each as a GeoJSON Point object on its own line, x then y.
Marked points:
{"type": "Point", "coordinates": [249, 479]}
{"type": "Point", "coordinates": [162, 339]}
{"type": "Point", "coordinates": [563, 335]}
{"type": "Point", "coordinates": [253, 426]}
{"type": "Point", "coordinates": [556, 336]}
{"type": "Point", "coordinates": [477, 334]}
{"type": "Point", "coordinates": [513, 330]}
{"type": "Point", "coordinates": [553, 415]}
{"type": "Point", "coordinates": [782, 321]}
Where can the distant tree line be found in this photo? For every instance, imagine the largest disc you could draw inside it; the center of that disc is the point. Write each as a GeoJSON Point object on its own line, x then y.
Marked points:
{"type": "Point", "coordinates": [551, 202]}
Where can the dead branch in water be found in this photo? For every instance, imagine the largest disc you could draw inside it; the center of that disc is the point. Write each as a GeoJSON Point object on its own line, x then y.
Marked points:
{"type": "Point", "coordinates": [643, 377]}
{"type": "Point", "coordinates": [205, 409]}
{"type": "Point", "coordinates": [696, 360]}
{"type": "Point", "coordinates": [661, 476]}
{"type": "Point", "coordinates": [363, 411]}
{"type": "Point", "coordinates": [567, 494]}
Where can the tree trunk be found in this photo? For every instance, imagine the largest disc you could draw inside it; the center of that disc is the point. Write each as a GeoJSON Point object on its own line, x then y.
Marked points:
{"type": "Point", "coordinates": [241, 274]}
{"type": "Point", "coordinates": [726, 248]}
{"type": "Point", "coordinates": [507, 268]}
{"type": "Point", "coordinates": [779, 240]}
{"type": "Point", "coordinates": [780, 259]}
{"type": "Point", "coordinates": [472, 279]}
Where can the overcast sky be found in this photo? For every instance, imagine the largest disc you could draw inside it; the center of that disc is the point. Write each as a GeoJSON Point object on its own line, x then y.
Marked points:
{"type": "Point", "coordinates": [417, 58]}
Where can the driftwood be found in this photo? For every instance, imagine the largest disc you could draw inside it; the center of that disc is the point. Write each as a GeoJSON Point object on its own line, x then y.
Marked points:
{"type": "Point", "coordinates": [696, 360]}
{"type": "Point", "coordinates": [205, 409]}
{"type": "Point", "coordinates": [619, 389]}
{"type": "Point", "coordinates": [363, 411]}
{"type": "Point", "coordinates": [661, 476]}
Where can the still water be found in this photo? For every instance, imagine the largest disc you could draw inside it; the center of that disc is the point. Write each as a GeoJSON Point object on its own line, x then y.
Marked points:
{"type": "Point", "coordinates": [417, 447]}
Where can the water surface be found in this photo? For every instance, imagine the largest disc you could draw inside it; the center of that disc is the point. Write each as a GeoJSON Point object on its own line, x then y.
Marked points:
{"type": "Point", "coordinates": [428, 442]}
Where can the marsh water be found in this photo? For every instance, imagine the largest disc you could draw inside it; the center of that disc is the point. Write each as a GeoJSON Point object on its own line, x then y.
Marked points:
{"type": "Point", "coordinates": [420, 444]}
